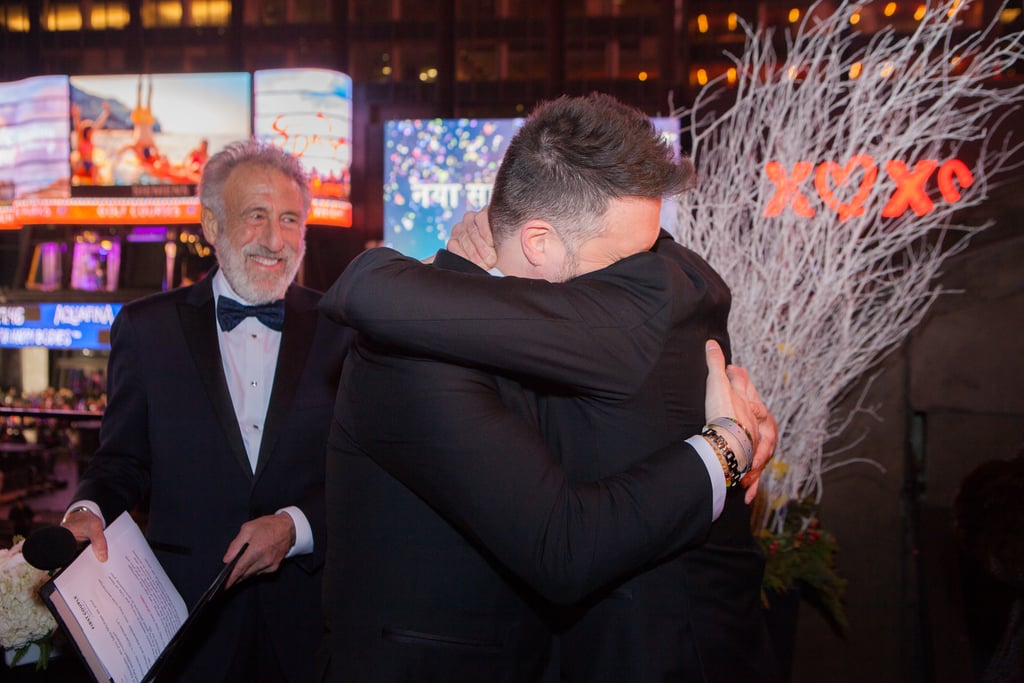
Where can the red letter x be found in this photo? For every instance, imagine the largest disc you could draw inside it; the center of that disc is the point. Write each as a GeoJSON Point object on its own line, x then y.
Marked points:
{"type": "Point", "coordinates": [786, 187]}
{"type": "Point", "coordinates": [909, 188]}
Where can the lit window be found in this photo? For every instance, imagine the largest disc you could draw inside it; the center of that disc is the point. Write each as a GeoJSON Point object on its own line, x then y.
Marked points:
{"type": "Point", "coordinates": [211, 12]}
{"type": "Point", "coordinates": [1009, 15]}
{"type": "Point", "coordinates": [702, 23]}
{"type": "Point", "coordinates": [855, 70]}
{"type": "Point", "coordinates": [794, 15]}
{"type": "Point", "coordinates": [887, 70]}
{"type": "Point", "coordinates": [731, 75]}
{"type": "Point", "coordinates": [157, 13]}
{"type": "Point", "coordinates": [920, 12]}
{"type": "Point", "coordinates": [702, 76]}
{"type": "Point", "coordinates": [109, 15]}
{"type": "Point", "coordinates": [733, 21]}
{"type": "Point", "coordinates": [890, 9]}
{"type": "Point", "coordinates": [14, 19]}
{"type": "Point", "coordinates": [855, 18]}
{"type": "Point", "coordinates": [642, 76]}
{"type": "Point", "coordinates": [61, 17]}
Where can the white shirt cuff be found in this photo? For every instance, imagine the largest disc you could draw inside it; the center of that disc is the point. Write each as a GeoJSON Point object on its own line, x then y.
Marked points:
{"type": "Point", "coordinates": [303, 532]}
{"type": "Point", "coordinates": [714, 467]}
{"type": "Point", "coordinates": [93, 508]}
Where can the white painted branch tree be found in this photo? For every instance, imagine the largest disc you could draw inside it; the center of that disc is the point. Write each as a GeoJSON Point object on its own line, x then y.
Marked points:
{"type": "Point", "coordinates": [831, 261]}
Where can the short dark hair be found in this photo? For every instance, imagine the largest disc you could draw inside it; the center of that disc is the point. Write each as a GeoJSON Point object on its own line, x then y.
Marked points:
{"type": "Point", "coordinates": [251, 151]}
{"type": "Point", "coordinates": [575, 154]}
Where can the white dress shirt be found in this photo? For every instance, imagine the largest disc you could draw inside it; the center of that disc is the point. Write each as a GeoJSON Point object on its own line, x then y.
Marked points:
{"type": "Point", "coordinates": [249, 354]}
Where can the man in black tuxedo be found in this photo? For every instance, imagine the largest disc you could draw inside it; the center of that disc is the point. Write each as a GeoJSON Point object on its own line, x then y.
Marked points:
{"type": "Point", "coordinates": [423, 602]}
{"type": "Point", "coordinates": [723, 575]}
{"type": "Point", "coordinates": [218, 417]}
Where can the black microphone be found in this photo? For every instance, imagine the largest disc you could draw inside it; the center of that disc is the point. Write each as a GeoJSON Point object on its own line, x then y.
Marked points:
{"type": "Point", "coordinates": [50, 548]}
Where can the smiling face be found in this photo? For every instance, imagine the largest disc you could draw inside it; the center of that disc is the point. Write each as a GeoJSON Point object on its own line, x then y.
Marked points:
{"type": "Point", "coordinates": [262, 241]}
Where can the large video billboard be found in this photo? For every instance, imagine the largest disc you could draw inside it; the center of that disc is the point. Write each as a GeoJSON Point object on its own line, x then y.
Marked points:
{"type": "Point", "coordinates": [148, 135]}
{"type": "Point", "coordinates": [437, 169]}
{"type": "Point", "coordinates": [34, 139]}
{"type": "Point", "coordinates": [308, 112]}
{"type": "Point", "coordinates": [129, 149]}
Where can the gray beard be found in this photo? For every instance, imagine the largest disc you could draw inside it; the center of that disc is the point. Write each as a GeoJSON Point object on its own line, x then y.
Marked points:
{"type": "Point", "coordinates": [233, 265]}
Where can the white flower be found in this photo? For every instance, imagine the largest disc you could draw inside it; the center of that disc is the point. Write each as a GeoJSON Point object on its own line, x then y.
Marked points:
{"type": "Point", "coordinates": [23, 616]}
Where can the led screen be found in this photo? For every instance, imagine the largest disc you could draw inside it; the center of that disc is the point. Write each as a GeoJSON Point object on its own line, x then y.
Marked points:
{"type": "Point", "coordinates": [437, 169]}
{"type": "Point", "coordinates": [57, 325]}
{"type": "Point", "coordinates": [308, 112]}
{"type": "Point", "coordinates": [34, 139]}
{"type": "Point", "coordinates": [148, 135]}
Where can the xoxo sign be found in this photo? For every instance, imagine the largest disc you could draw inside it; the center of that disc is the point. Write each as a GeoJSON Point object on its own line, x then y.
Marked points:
{"type": "Point", "coordinates": [834, 184]}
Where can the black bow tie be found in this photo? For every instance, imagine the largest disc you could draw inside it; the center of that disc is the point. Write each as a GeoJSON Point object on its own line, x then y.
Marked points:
{"type": "Point", "coordinates": [231, 312]}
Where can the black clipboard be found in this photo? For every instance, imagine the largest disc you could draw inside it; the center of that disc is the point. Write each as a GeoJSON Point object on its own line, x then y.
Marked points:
{"type": "Point", "coordinates": [215, 589]}
{"type": "Point", "coordinates": [55, 603]}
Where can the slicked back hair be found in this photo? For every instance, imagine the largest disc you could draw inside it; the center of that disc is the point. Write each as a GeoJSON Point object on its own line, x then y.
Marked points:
{"type": "Point", "coordinates": [571, 157]}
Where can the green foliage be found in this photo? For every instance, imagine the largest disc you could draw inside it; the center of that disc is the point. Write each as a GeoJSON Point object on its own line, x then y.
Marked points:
{"type": "Point", "coordinates": [803, 557]}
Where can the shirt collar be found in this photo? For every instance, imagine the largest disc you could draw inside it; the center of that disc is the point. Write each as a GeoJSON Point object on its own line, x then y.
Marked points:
{"type": "Point", "coordinates": [221, 287]}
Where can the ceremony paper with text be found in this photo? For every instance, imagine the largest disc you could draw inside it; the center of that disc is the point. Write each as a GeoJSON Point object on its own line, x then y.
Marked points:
{"type": "Point", "coordinates": [125, 610]}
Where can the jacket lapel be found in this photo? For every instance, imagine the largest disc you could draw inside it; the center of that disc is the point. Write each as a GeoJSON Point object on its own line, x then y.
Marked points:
{"type": "Point", "coordinates": [296, 341]}
{"type": "Point", "coordinates": [199, 323]}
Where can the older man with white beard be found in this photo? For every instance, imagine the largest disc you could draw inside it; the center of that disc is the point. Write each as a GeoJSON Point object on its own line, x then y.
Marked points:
{"type": "Point", "coordinates": [220, 398]}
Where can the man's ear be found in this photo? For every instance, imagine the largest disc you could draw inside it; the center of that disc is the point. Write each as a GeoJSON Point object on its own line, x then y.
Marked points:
{"type": "Point", "coordinates": [209, 222]}
{"type": "Point", "coordinates": [539, 242]}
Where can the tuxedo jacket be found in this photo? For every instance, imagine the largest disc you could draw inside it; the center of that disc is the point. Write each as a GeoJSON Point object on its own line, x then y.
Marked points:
{"type": "Point", "coordinates": [452, 528]}
{"type": "Point", "coordinates": [170, 443]}
{"type": "Point", "coordinates": [606, 400]}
